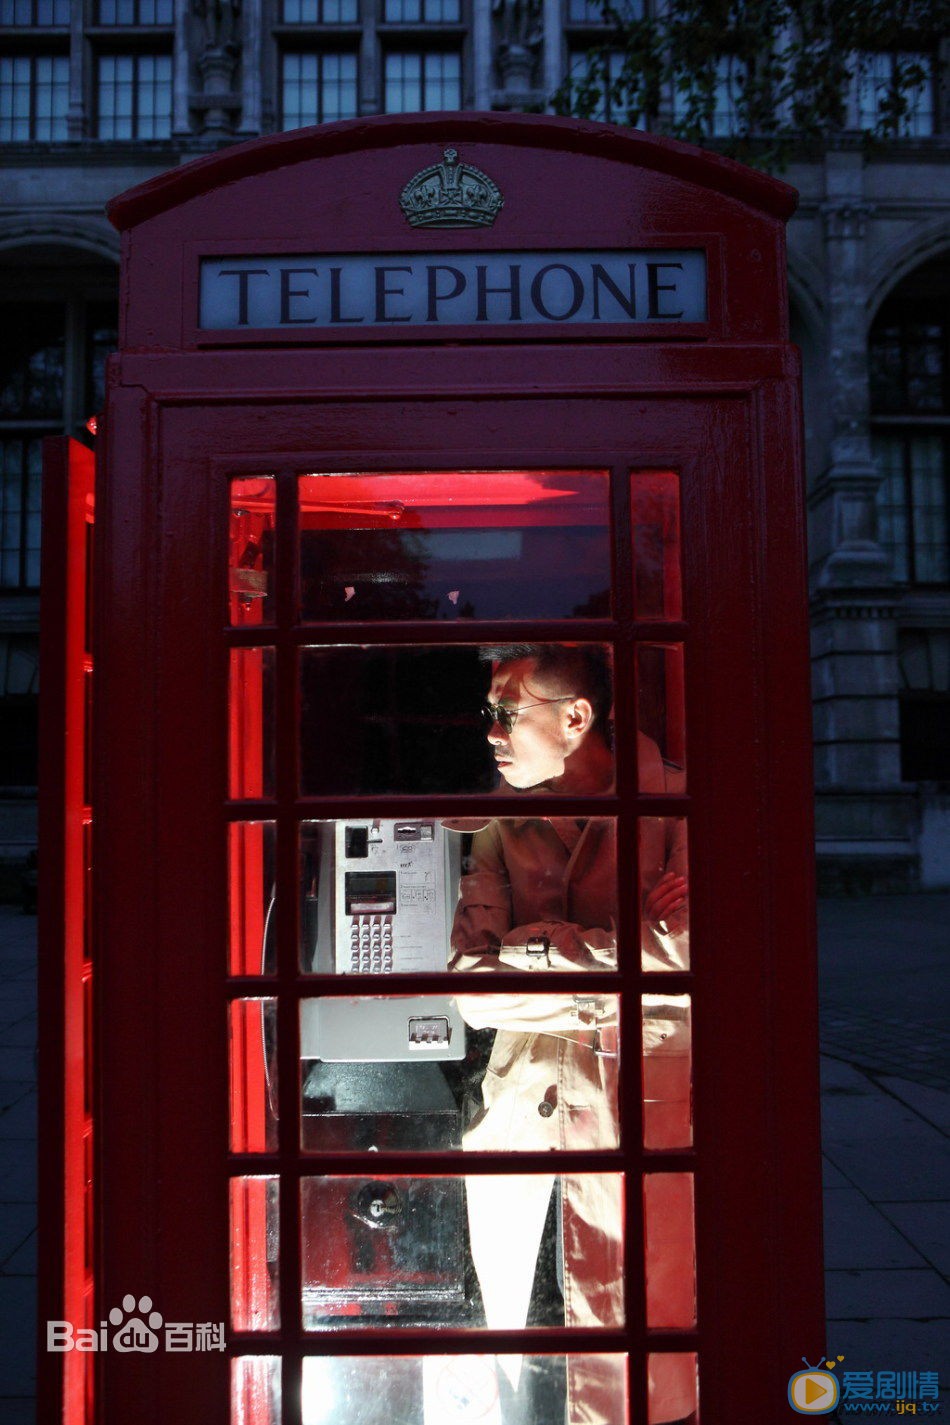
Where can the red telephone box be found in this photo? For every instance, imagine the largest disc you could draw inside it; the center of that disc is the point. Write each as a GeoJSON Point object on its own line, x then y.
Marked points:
{"type": "Point", "coordinates": [452, 970]}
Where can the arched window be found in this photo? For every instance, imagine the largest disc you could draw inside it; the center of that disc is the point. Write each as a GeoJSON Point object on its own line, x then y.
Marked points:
{"type": "Point", "coordinates": [910, 415]}
{"type": "Point", "coordinates": [57, 325]}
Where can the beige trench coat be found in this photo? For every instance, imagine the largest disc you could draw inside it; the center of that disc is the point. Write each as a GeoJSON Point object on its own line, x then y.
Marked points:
{"type": "Point", "coordinates": [547, 1087]}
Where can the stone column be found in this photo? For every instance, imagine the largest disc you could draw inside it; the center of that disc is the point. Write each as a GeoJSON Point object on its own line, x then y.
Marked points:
{"type": "Point", "coordinates": [76, 115]}
{"type": "Point", "coordinates": [181, 72]}
{"type": "Point", "coordinates": [251, 62]}
{"type": "Point", "coordinates": [552, 67]}
{"type": "Point", "coordinates": [482, 54]}
{"type": "Point", "coordinates": [865, 816]}
{"type": "Point", "coordinates": [850, 480]}
{"type": "Point", "coordinates": [370, 62]}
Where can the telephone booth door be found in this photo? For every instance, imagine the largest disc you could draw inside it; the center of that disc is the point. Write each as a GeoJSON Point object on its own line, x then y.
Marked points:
{"type": "Point", "coordinates": [451, 877]}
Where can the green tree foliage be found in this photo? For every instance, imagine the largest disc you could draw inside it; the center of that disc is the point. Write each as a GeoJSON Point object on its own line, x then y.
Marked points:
{"type": "Point", "coordinates": [788, 65]}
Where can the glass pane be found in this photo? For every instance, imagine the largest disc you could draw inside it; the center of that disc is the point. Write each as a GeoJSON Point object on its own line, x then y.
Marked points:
{"type": "Point", "coordinates": [931, 517]}
{"type": "Point", "coordinates": [461, 718]}
{"type": "Point", "coordinates": [891, 499]}
{"type": "Point", "coordinates": [32, 358]}
{"type": "Point", "coordinates": [404, 896]}
{"type": "Point", "coordinates": [488, 544]}
{"type": "Point", "coordinates": [670, 1250]}
{"type": "Point", "coordinates": [504, 1253]}
{"type": "Point", "coordinates": [251, 552]}
{"type": "Point", "coordinates": [251, 723]}
{"type": "Point", "coordinates": [667, 1071]}
{"type": "Point", "coordinates": [252, 1036]}
{"type": "Point", "coordinates": [255, 1279]}
{"type": "Point", "coordinates": [656, 545]}
{"type": "Point", "coordinates": [660, 692]}
{"type": "Point", "coordinates": [461, 1390]}
{"type": "Point", "coordinates": [664, 893]}
{"type": "Point", "coordinates": [498, 1072]}
{"type": "Point", "coordinates": [674, 1387]}
{"type": "Point", "coordinates": [252, 948]}
{"type": "Point", "coordinates": [255, 1390]}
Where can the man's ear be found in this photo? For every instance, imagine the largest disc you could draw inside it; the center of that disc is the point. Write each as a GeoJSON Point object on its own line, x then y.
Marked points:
{"type": "Point", "coordinates": [580, 715]}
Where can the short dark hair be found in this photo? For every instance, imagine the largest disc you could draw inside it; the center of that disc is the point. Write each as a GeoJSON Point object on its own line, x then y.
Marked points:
{"type": "Point", "coordinates": [579, 668]}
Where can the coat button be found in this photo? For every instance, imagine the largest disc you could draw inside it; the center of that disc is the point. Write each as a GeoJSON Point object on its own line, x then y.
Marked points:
{"type": "Point", "coordinates": [545, 1109]}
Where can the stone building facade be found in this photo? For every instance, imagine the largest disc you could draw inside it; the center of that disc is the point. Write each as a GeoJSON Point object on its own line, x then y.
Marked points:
{"type": "Point", "coordinates": [96, 95]}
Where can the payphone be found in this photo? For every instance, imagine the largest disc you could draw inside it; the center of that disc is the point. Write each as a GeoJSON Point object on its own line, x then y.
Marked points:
{"type": "Point", "coordinates": [380, 901]}
{"type": "Point", "coordinates": [353, 447]}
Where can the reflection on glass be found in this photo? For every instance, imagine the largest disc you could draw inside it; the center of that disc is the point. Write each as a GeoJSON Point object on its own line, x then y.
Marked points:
{"type": "Point", "coordinates": [458, 1390]}
{"type": "Point", "coordinates": [255, 1278]}
{"type": "Point", "coordinates": [670, 1250]}
{"type": "Point", "coordinates": [255, 1390]}
{"type": "Point", "coordinates": [529, 1072]}
{"type": "Point", "coordinates": [457, 544]}
{"type": "Point", "coordinates": [384, 896]}
{"type": "Point", "coordinates": [251, 904]}
{"type": "Point", "coordinates": [664, 893]}
{"type": "Point", "coordinates": [661, 708]}
{"type": "Point", "coordinates": [251, 550]}
{"type": "Point", "coordinates": [404, 1251]}
{"type": "Point", "coordinates": [674, 1387]}
{"type": "Point", "coordinates": [656, 544]}
{"type": "Point", "coordinates": [252, 1035]}
{"type": "Point", "coordinates": [251, 723]}
{"type": "Point", "coordinates": [460, 718]}
{"type": "Point", "coordinates": [667, 1072]}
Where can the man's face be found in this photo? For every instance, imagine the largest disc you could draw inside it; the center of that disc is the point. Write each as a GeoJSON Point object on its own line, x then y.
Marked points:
{"type": "Point", "coordinates": [536, 747]}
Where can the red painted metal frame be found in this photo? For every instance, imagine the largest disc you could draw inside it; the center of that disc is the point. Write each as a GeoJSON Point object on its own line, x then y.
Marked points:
{"type": "Point", "coordinates": [65, 1284]}
{"type": "Point", "coordinates": [722, 412]}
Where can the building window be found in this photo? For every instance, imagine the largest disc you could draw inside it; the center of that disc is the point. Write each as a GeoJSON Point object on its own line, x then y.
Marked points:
{"type": "Point", "coordinates": [317, 88]}
{"type": "Point", "coordinates": [924, 662]}
{"type": "Point", "coordinates": [32, 13]}
{"type": "Point", "coordinates": [909, 366]}
{"type": "Point", "coordinates": [609, 65]}
{"type": "Point", "coordinates": [31, 393]}
{"type": "Point", "coordinates": [878, 76]}
{"type": "Point", "coordinates": [34, 97]}
{"type": "Point", "coordinates": [32, 361]}
{"type": "Point", "coordinates": [419, 81]}
{"type": "Point", "coordinates": [600, 12]}
{"type": "Point", "coordinates": [728, 82]}
{"type": "Point", "coordinates": [48, 383]}
{"type": "Point", "coordinates": [134, 96]}
{"type": "Point", "coordinates": [320, 12]}
{"type": "Point", "coordinates": [912, 506]}
{"type": "Point", "coordinates": [136, 12]}
{"type": "Point", "coordinates": [20, 479]}
{"type": "Point", "coordinates": [422, 12]}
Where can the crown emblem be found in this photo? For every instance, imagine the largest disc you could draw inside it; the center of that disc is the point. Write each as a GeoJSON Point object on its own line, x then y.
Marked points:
{"type": "Point", "coordinates": [450, 194]}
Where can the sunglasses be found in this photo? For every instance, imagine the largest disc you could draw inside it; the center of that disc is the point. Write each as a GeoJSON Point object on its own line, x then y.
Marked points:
{"type": "Point", "coordinates": [506, 716]}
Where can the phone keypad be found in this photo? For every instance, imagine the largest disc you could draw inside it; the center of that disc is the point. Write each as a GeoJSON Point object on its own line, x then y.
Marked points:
{"type": "Point", "coordinates": [371, 944]}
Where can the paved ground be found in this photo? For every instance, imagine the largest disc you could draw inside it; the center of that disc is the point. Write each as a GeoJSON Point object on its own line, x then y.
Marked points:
{"type": "Point", "coordinates": [885, 989]}
{"type": "Point", "coordinates": [885, 1034]}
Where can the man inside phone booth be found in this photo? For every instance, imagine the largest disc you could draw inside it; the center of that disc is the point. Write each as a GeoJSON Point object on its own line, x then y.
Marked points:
{"type": "Point", "coordinates": [540, 893]}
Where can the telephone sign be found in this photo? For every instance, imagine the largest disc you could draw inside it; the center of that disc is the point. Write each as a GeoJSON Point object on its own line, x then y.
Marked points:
{"type": "Point", "coordinates": [488, 289]}
{"type": "Point", "coordinates": [430, 981]}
